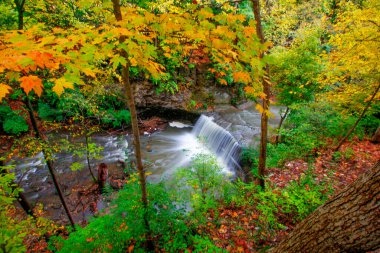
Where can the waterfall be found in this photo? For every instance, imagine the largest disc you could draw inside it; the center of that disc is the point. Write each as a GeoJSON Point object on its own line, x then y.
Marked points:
{"type": "Point", "coordinates": [219, 141]}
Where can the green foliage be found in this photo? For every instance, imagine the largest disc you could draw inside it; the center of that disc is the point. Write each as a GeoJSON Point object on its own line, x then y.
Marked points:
{"type": "Point", "coordinates": [15, 125]}
{"type": "Point", "coordinates": [11, 121]}
{"type": "Point", "coordinates": [8, 17]}
{"type": "Point", "coordinates": [204, 244]}
{"type": "Point", "coordinates": [296, 200]}
{"type": "Point", "coordinates": [304, 196]}
{"type": "Point", "coordinates": [346, 154]}
{"type": "Point", "coordinates": [116, 118]}
{"type": "Point", "coordinates": [11, 237]}
{"type": "Point", "coordinates": [13, 229]}
{"type": "Point", "coordinates": [200, 183]}
{"type": "Point", "coordinates": [308, 127]}
{"type": "Point", "coordinates": [123, 228]}
{"type": "Point", "coordinates": [296, 69]}
{"type": "Point", "coordinates": [46, 112]}
{"type": "Point", "coordinates": [166, 84]}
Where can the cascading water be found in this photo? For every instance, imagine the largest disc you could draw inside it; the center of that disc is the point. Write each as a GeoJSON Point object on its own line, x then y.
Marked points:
{"type": "Point", "coordinates": [219, 141]}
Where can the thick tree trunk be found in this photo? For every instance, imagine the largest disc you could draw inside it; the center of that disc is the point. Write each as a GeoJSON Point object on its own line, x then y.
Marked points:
{"type": "Point", "coordinates": [358, 120]}
{"type": "Point", "coordinates": [265, 102]}
{"type": "Point", "coordinates": [349, 222]}
{"type": "Point", "coordinates": [135, 129]}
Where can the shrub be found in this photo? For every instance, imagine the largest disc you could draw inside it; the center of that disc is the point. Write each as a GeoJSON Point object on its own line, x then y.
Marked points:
{"type": "Point", "coordinates": [48, 113]}
{"type": "Point", "coordinates": [116, 118]}
{"type": "Point", "coordinates": [307, 128]}
{"type": "Point", "coordinates": [12, 122]}
{"type": "Point", "coordinates": [123, 228]}
{"type": "Point", "coordinates": [15, 230]}
{"type": "Point", "coordinates": [201, 184]}
{"type": "Point", "coordinates": [295, 201]}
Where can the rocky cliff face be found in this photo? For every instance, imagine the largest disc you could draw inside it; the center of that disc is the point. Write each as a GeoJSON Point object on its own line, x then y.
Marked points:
{"type": "Point", "coordinates": [147, 96]}
{"type": "Point", "coordinates": [185, 98]}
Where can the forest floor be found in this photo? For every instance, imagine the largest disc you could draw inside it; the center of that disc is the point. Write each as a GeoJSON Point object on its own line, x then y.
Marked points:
{"type": "Point", "coordinates": [232, 225]}
{"type": "Point", "coordinates": [238, 225]}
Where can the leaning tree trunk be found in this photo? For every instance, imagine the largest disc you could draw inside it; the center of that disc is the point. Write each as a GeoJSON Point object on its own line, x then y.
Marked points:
{"type": "Point", "coordinates": [358, 120]}
{"type": "Point", "coordinates": [20, 10]}
{"type": "Point", "coordinates": [49, 163]}
{"type": "Point", "coordinates": [349, 222]}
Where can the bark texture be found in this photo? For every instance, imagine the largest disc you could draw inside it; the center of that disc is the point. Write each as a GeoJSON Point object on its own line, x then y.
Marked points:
{"type": "Point", "coordinates": [265, 102]}
{"type": "Point", "coordinates": [135, 129]}
{"type": "Point", "coordinates": [349, 222]}
{"type": "Point", "coordinates": [20, 10]}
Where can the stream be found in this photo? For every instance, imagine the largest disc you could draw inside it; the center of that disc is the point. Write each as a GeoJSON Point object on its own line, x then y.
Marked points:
{"type": "Point", "coordinates": [221, 133]}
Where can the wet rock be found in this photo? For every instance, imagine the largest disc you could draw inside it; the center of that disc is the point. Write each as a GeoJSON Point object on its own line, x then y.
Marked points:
{"type": "Point", "coordinates": [221, 97]}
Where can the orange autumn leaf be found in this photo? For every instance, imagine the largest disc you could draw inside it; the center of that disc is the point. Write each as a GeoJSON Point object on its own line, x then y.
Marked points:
{"type": "Point", "coordinates": [249, 90]}
{"type": "Point", "coordinates": [44, 60]}
{"type": "Point", "coordinates": [243, 77]}
{"type": "Point", "coordinates": [31, 82]}
{"type": "Point", "coordinates": [130, 248]}
{"type": "Point", "coordinates": [222, 81]}
{"type": "Point", "coordinates": [4, 90]}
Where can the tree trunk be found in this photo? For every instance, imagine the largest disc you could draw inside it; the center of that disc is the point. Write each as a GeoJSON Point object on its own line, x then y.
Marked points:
{"type": "Point", "coordinates": [20, 12]}
{"type": "Point", "coordinates": [376, 136]}
{"type": "Point", "coordinates": [349, 222]}
{"type": "Point", "coordinates": [135, 128]}
{"type": "Point", "coordinates": [278, 136]}
{"type": "Point", "coordinates": [88, 153]}
{"type": "Point", "coordinates": [358, 120]}
{"type": "Point", "coordinates": [265, 102]}
{"type": "Point", "coordinates": [48, 162]}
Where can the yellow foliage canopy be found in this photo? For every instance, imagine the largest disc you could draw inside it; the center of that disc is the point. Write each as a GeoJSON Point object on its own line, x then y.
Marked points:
{"type": "Point", "coordinates": [354, 63]}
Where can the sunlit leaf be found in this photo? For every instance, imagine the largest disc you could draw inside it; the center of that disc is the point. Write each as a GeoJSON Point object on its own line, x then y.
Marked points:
{"type": "Point", "coordinates": [31, 82]}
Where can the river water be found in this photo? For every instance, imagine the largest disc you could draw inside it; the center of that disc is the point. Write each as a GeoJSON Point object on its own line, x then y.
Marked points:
{"type": "Point", "coordinates": [163, 152]}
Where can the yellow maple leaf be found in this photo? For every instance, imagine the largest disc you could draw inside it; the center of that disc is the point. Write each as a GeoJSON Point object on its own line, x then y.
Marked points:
{"type": "Point", "coordinates": [31, 82]}
{"type": "Point", "coordinates": [259, 108]}
{"type": "Point", "coordinates": [4, 90]}
{"type": "Point", "coordinates": [88, 72]}
{"type": "Point", "coordinates": [60, 85]}
{"type": "Point", "coordinates": [133, 62]}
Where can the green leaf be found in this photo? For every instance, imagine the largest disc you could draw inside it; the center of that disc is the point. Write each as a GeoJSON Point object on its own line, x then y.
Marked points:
{"type": "Point", "coordinates": [118, 60]}
{"type": "Point", "coordinates": [75, 166]}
